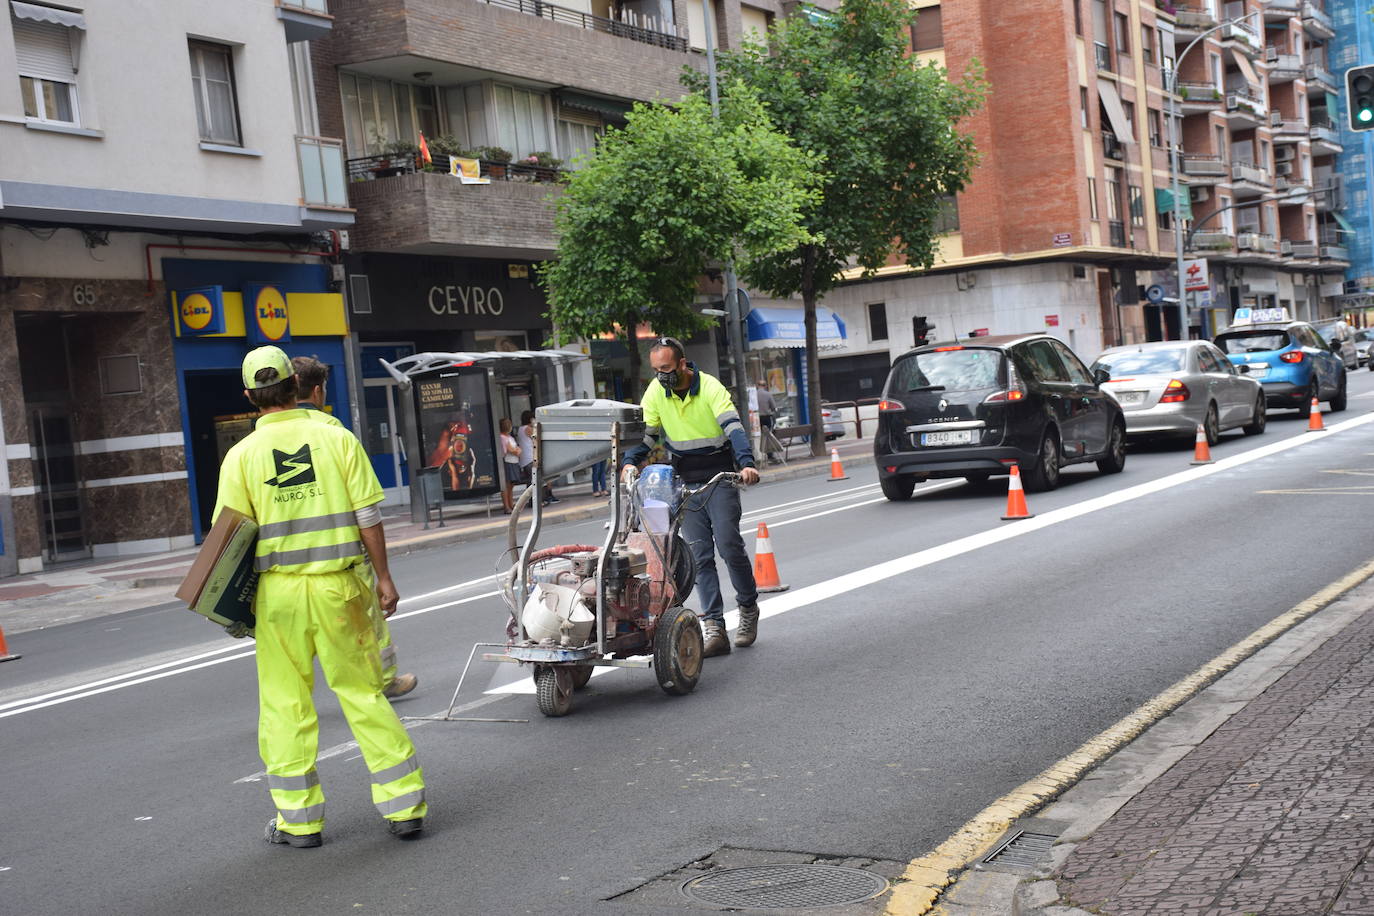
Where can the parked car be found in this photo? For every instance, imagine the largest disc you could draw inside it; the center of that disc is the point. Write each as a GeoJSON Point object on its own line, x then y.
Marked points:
{"type": "Point", "coordinates": [1291, 361]}
{"type": "Point", "coordinates": [1172, 387]}
{"type": "Point", "coordinates": [834, 427]}
{"type": "Point", "coordinates": [973, 409]}
{"type": "Point", "coordinates": [1340, 337]}
{"type": "Point", "coordinates": [1364, 338]}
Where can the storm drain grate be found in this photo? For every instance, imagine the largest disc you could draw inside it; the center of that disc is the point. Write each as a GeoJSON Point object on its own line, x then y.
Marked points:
{"type": "Point", "coordinates": [763, 887]}
{"type": "Point", "coordinates": [1023, 849]}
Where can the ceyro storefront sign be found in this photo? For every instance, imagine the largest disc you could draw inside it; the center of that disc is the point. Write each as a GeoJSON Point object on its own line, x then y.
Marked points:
{"type": "Point", "coordinates": [414, 292]}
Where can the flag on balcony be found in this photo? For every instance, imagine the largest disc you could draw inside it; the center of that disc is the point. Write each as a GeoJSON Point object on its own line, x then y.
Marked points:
{"type": "Point", "coordinates": [424, 150]}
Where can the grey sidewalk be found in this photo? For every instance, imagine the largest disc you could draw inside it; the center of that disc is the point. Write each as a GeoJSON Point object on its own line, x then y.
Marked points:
{"type": "Point", "coordinates": [1255, 797]}
{"type": "Point", "coordinates": [80, 591]}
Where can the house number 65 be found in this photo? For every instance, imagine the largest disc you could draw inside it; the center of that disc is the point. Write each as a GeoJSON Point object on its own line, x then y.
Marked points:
{"type": "Point", "coordinates": [83, 294]}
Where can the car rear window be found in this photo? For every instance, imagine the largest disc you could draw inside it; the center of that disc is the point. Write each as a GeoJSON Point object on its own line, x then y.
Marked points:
{"type": "Point", "coordinates": [1142, 362]}
{"type": "Point", "coordinates": [1253, 341]}
{"type": "Point", "coordinates": [954, 370]}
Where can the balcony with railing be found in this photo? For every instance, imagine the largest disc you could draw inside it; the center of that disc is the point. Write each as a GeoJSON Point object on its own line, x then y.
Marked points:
{"type": "Point", "coordinates": [1287, 130]}
{"type": "Point", "coordinates": [1216, 240]}
{"type": "Point", "coordinates": [1257, 242]}
{"type": "Point", "coordinates": [1112, 147]}
{"type": "Point", "coordinates": [1279, 10]}
{"type": "Point", "coordinates": [1319, 79]}
{"type": "Point", "coordinates": [1316, 22]}
{"type": "Point", "coordinates": [1283, 68]}
{"type": "Point", "coordinates": [1195, 97]}
{"type": "Point", "coordinates": [1116, 231]}
{"type": "Point", "coordinates": [1244, 109]}
{"type": "Point", "coordinates": [1326, 139]}
{"type": "Point", "coordinates": [1335, 253]}
{"type": "Point", "coordinates": [1192, 20]}
{"type": "Point", "coordinates": [1327, 196]}
{"type": "Point", "coordinates": [1242, 37]}
{"type": "Point", "coordinates": [1248, 180]}
{"type": "Point", "coordinates": [321, 164]}
{"type": "Point", "coordinates": [1301, 248]}
{"type": "Point", "coordinates": [1203, 169]}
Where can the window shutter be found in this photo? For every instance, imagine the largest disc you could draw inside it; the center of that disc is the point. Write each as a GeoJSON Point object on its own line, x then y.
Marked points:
{"type": "Point", "coordinates": [43, 50]}
{"type": "Point", "coordinates": [928, 33]}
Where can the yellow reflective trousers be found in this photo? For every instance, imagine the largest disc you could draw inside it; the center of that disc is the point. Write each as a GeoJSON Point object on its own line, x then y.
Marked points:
{"type": "Point", "coordinates": [327, 615]}
{"type": "Point", "coordinates": [386, 651]}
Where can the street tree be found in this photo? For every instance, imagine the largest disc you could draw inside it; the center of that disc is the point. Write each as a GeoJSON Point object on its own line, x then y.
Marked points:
{"type": "Point", "coordinates": [658, 202]}
{"type": "Point", "coordinates": [841, 85]}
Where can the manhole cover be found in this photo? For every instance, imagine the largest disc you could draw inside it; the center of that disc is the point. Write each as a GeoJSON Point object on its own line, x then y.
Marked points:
{"type": "Point", "coordinates": [766, 887]}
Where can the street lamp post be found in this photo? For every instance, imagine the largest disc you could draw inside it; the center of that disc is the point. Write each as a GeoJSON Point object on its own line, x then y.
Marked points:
{"type": "Point", "coordinates": [1175, 142]}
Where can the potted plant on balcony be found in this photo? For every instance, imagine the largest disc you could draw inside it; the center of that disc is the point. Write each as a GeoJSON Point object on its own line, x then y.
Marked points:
{"type": "Point", "coordinates": [497, 158]}
{"type": "Point", "coordinates": [440, 148]}
{"type": "Point", "coordinates": [397, 157]}
{"type": "Point", "coordinates": [544, 165]}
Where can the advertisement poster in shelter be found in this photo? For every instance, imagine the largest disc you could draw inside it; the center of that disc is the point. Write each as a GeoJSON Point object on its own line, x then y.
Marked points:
{"type": "Point", "coordinates": [456, 435]}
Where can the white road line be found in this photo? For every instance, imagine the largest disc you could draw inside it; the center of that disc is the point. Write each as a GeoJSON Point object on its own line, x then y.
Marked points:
{"type": "Point", "coordinates": [861, 578]}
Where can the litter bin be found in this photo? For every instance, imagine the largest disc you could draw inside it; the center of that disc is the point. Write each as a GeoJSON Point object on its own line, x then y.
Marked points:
{"type": "Point", "coordinates": [577, 434]}
{"type": "Point", "coordinates": [432, 493]}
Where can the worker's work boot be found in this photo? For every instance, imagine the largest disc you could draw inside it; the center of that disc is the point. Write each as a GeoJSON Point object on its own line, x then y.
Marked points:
{"type": "Point", "coordinates": [406, 830]}
{"type": "Point", "coordinates": [748, 625]}
{"type": "Point", "coordinates": [298, 841]}
{"type": "Point", "coordinates": [716, 641]}
{"type": "Point", "coordinates": [402, 685]}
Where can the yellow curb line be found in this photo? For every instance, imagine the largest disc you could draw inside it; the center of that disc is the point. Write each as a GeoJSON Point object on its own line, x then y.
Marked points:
{"type": "Point", "coordinates": [926, 878]}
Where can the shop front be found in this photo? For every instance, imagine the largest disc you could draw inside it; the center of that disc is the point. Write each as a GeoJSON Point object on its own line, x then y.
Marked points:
{"type": "Point", "coordinates": [777, 354]}
{"type": "Point", "coordinates": [219, 310]}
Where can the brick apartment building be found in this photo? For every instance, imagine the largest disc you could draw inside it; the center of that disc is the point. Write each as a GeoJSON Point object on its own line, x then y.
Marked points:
{"type": "Point", "coordinates": [1067, 226]}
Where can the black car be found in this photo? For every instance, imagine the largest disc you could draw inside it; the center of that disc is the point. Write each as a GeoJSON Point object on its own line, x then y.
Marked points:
{"type": "Point", "coordinates": [973, 409]}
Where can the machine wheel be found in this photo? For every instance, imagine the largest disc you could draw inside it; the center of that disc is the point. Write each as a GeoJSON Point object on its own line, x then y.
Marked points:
{"type": "Point", "coordinates": [677, 651]}
{"type": "Point", "coordinates": [1044, 474]}
{"type": "Point", "coordinates": [1338, 402]}
{"type": "Point", "coordinates": [898, 489]}
{"type": "Point", "coordinates": [1211, 425]}
{"type": "Point", "coordinates": [684, 568]}
{"type": "Point", "coordinates": [554, 689]}
{"type": "Point", "coordinates": [581, 674]}
{"type": "Point", "coordinates": [1114, 461]}
{"type": "Point", "coordinates": [1258, 419]}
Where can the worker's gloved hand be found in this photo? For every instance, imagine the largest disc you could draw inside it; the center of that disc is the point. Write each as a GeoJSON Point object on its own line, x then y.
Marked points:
{"type": "Point", "coordinates": [750, 476]}
{"type": "Point", "coordinates": [628, 474]}
{"type": "Point", "coordinates": [238, 629]}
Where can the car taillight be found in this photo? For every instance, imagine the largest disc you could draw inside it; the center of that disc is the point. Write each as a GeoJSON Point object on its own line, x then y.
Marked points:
{"type": "Point", "coordinates": [1174, 392]}
{"type": "Point", "coordinates": [885, 405]}
{"type": "Point", "coordinates": [1292, 356]}
{"type": "Point", "coordinates": [1014, 391]}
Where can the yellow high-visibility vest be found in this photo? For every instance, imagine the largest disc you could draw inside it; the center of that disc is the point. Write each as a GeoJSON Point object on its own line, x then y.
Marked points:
{"type": "Point", "coordinates": [302, 481]}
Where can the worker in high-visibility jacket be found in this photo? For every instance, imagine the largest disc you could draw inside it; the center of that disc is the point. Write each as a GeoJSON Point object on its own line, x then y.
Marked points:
{"type": "Point", "coordinates": [312, 491]}
{"type": "Point", "coordinates": [312, 379]}
{"type": "Point", "coordinates": [691, 413]}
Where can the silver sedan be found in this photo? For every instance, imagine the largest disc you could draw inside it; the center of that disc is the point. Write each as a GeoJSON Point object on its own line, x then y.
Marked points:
{"type": "Point", "coordinates": [1170, 388]}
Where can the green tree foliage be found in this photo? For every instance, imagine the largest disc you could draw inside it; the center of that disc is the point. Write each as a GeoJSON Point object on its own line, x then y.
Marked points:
{"type": "Point", "coordinates": [841, 86]}
{"type": "Point", "coordinates": [659, 201]}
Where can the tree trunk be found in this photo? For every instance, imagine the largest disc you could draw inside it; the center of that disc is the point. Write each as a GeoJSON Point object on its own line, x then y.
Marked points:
{"type": "Point", "coordinates": [813, 361]}
{"type": "Point", "coordinates": [632, 344]}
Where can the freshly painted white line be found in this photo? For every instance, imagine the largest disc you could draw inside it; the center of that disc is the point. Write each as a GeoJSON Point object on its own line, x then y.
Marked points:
{"type": "Point", "coordinates": [860, 578]}
{"type": "Point", "coordinates": [485, 580]}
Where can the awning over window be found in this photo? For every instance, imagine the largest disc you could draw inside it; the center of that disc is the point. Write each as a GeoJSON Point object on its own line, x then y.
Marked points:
{"type": "Point", "coordinates": [1111, 102]}
{"type": "Point", "coordinates": [609, 108]}
{"type": "Point", "coordinates": [1164, 201]}
{"type": "Point", "coordinates": [785, 327]}
{"type": "Point", "coordinates": [35, 13]}
{"type": "Point", "coordinates": [1246, 70]}
{"type": "Point", "coordinates": [1345, 223]}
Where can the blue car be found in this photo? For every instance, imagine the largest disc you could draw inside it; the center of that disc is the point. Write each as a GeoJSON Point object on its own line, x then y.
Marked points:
{"type": "Point", "coordinates": [1290, 359]}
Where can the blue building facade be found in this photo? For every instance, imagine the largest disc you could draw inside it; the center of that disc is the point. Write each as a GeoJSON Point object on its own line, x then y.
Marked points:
{"type": "Point", "coordinates": [1352, 219]}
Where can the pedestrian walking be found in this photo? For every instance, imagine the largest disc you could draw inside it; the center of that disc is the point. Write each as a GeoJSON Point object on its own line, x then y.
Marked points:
{"type": "Point", "coordinates": [768, 412]}
{"type": "Point", "coordinates": [311, 489]}
{"type": "Point", "coordinates": [312, 377]}
{"type": "Point", "coordinates": [510, 461]}
{"type": "Point", "coordinates": [691, 413]}
{"type": "Point", "coordinates": [525, 436]}
{"type": "Point", "coordinates": [599, 479]}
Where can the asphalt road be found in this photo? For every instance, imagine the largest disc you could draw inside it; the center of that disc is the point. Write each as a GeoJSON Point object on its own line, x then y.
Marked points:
{"type": "Point", "coordinates": [928, 659]}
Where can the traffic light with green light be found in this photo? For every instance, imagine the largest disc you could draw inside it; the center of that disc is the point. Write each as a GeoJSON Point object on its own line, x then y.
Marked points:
{"type": "Point", "coordinates": [1359, 97]}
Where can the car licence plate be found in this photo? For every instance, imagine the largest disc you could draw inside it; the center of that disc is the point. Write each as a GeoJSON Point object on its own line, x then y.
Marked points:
{"type": "Point", "coordinates": [1258, 370]}
{"type": "Point", "coordinates": [948, 437]}
{"type": "Point", "coordinates": [1130, 398]}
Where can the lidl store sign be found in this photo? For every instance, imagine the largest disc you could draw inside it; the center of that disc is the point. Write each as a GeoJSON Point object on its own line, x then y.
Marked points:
{"type": "Point", "coordinates": [265, 316]}
{"type": "Point", "coordinates": [201, 311]}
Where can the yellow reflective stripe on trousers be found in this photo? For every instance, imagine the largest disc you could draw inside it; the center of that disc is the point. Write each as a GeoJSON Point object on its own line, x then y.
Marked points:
{"type": "Point", "coordinates": [401, 802]}
{"type": "Point", "coordinates": [303, 525]}
{"type": "Point", "coordinates": [301, 783]}
{"type": "Point", "coordinates": [391, 774]}
{"type": "Point", "coordinates": [302, 815]}
{"type": "Point", "coordinates": [308, 555]}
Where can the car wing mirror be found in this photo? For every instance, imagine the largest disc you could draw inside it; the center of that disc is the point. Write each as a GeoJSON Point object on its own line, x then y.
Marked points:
{"type": "Point", "coordinates": [1243, 369]}
{"type": "Point", "coordinates": [1101, 375]}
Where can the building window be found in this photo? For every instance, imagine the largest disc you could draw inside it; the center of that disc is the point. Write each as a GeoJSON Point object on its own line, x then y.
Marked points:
{"type": "Point", "coordinates": [1137, 206]}
{"type": "Point", "coordinates": [877, 321]}
{"type": "Point", "coordinates": [522, 125]}
{"type": "Point", "coordinates": [1129, 109]}
{"type": "Point", "coordinates": [577, 137]}
{"type": "Point", "coordinates": [1077, 17]}
{"type": "Point", "coordinates": [1092, 198]}
{"type": "Point", "coordinates": [1083, 106]}
{"type": "Point", "coordinates": [1221, 142]}
{"type": "Point", "coordinates": [1113, 199]}
{"type": "Point", "coordinates": [1123, 33]}
{"type": "Point", "coordinates": [755, 24]}
{"type": "Point", "coordinates": [378, 113]}
{"type": "Point", "coordinates": [948, 219]}
{"type": "Point", "coordinates": [47, 74]}
{"type": "Point", "coordinates": [928, 33]}
{"type": "Point", "coordinates": [1156, 128]}
{"type": "Point", "coordinates": [212, 81]}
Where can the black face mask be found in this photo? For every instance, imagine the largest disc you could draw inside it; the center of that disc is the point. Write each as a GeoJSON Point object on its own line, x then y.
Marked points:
{"type": "Point", "coordinates": [667, 379]}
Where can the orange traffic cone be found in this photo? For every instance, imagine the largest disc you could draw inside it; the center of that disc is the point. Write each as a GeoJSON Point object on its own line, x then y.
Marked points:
{"type": "Point", "coordinates": [765, 567]}
{"type": "Point", "coordinates": [1016, 497]}
{"type": "Point", "coordinates": [5, 655]}
{"type": "Point", "coordinates": [1314, 419]}
{"type": "Point", "coordinates": [1202, 452]}
{"type": "Point", "coordinates": [836, 469]}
